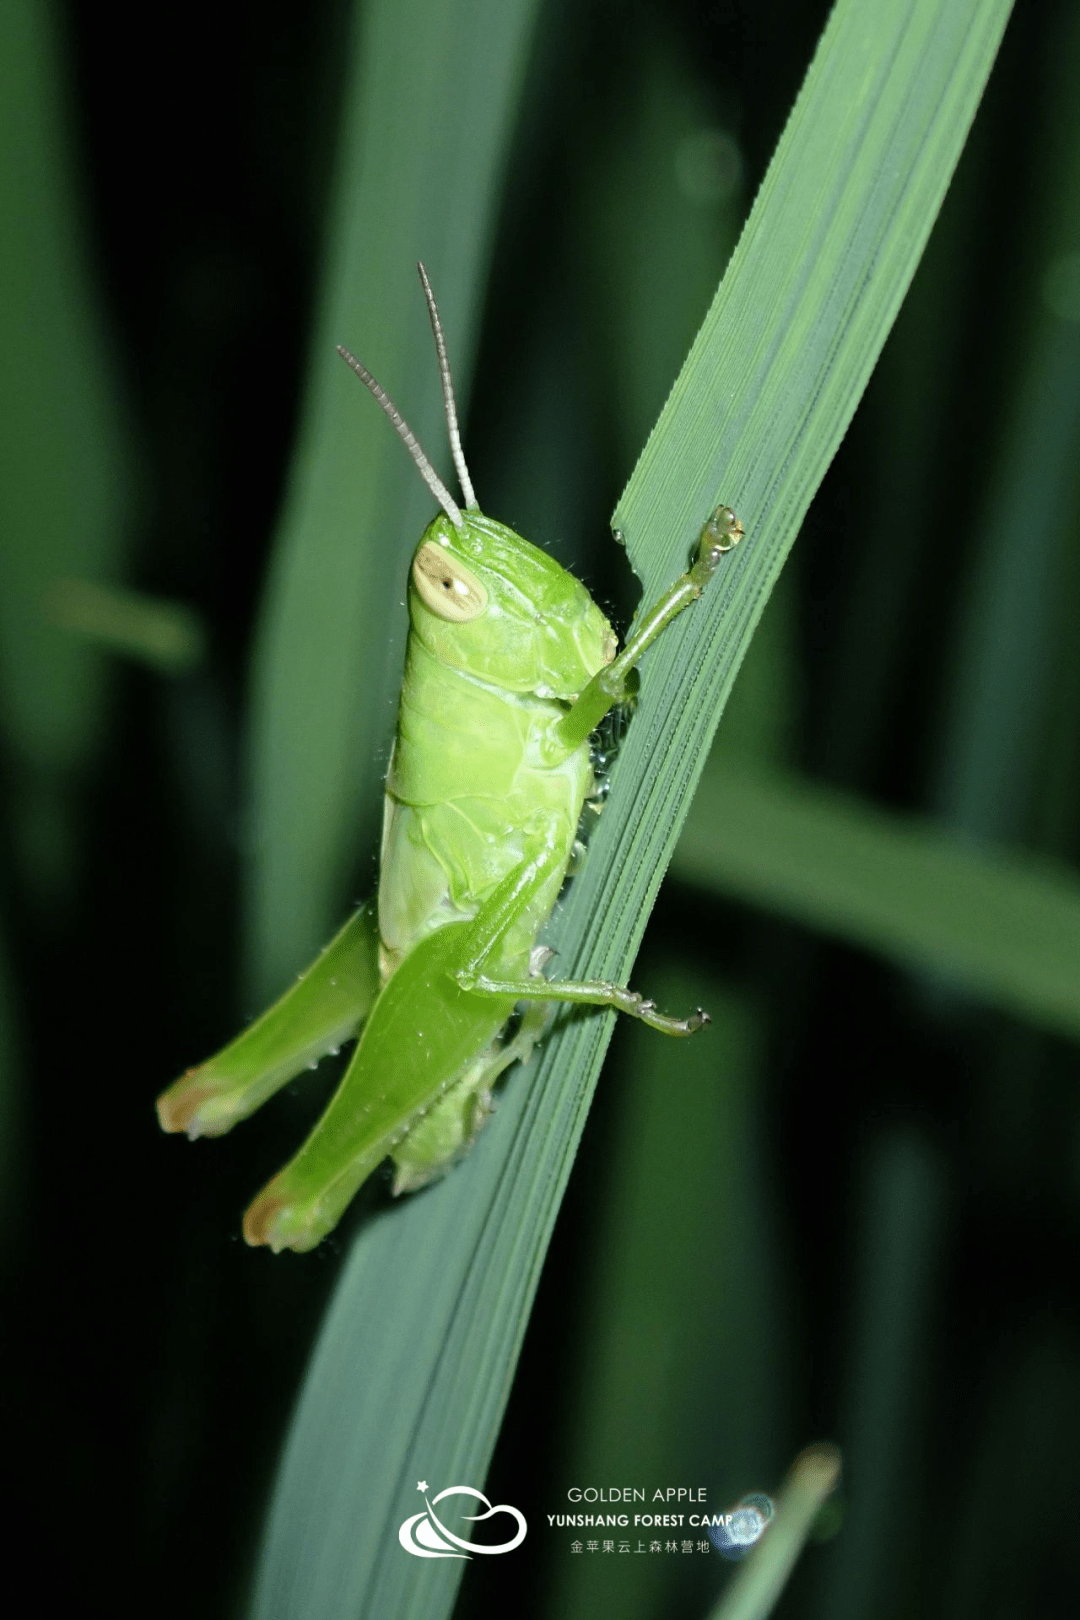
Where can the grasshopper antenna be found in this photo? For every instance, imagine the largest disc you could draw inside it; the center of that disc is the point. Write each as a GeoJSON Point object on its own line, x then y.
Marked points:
{"type": "Point", "coordinates": [449, 402]}
{"type": "Point", "coordinates": [408, 439]}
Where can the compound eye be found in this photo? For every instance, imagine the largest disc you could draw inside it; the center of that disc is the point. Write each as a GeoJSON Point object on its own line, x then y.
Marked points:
{"type": "Point", "coordinates": [446, 585]}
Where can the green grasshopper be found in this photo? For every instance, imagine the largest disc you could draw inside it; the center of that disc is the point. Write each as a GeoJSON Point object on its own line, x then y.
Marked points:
{"type": "Point", "coordinates": [510, 667]}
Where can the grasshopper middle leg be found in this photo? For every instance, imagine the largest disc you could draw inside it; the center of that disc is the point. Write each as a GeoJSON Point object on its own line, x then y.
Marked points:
{"type": "Point", "coordinates": [477, 971]}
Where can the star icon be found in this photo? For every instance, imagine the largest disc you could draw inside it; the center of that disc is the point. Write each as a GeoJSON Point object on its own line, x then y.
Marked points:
{"type": "Point", "coordinates": [421, 1485]}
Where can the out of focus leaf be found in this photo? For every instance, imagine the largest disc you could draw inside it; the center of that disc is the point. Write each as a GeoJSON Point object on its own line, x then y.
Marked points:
{"type": "Point", "coordinates": [1003, 923]}
{"type": "Point", "coordinates": [66, 475]}
{"type": "Point", "coordinates": [1006, 659]}
{"type": "Point", "coordinates": [165, 635]}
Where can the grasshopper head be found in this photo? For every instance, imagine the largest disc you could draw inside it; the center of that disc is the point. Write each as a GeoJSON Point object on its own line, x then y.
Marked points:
{"type": "Point", "coordinates": [485, 601]}
{"type": "Point", "coordinates": [482, 599]}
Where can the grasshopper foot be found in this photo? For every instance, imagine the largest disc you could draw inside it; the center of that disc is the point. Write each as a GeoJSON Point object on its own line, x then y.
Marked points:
{"type": "Point", "coordinates": [280, 1223]}
{"type": "Point", "coordinates": [646, 1011]}
{"type": "Point", "coordinates": [189, 1105]}
{"type": "Point", "coordinates": [721, 533]}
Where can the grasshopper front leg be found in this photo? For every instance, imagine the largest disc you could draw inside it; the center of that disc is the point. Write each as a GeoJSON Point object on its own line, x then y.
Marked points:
{"type": "Point", "coordinates": [720, 534]}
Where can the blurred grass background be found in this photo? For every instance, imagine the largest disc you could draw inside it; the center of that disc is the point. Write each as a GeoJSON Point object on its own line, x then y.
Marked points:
{"type": "Point", "coordinates": [853, 1214]}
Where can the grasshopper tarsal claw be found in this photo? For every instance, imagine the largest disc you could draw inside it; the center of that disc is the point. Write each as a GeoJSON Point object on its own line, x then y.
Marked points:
{"type": "Point", "coordinates": [719, 535]}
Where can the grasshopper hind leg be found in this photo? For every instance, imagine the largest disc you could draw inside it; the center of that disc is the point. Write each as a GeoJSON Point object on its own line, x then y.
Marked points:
{"type": "Point", "coordinates": [449, 1129]}
{"type": "Point", "coordinates": [325, 1007]}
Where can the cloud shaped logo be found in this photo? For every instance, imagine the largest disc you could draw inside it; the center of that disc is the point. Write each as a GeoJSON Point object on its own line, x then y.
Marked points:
{"type": "Point", "coordinates": [425, 1535]}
